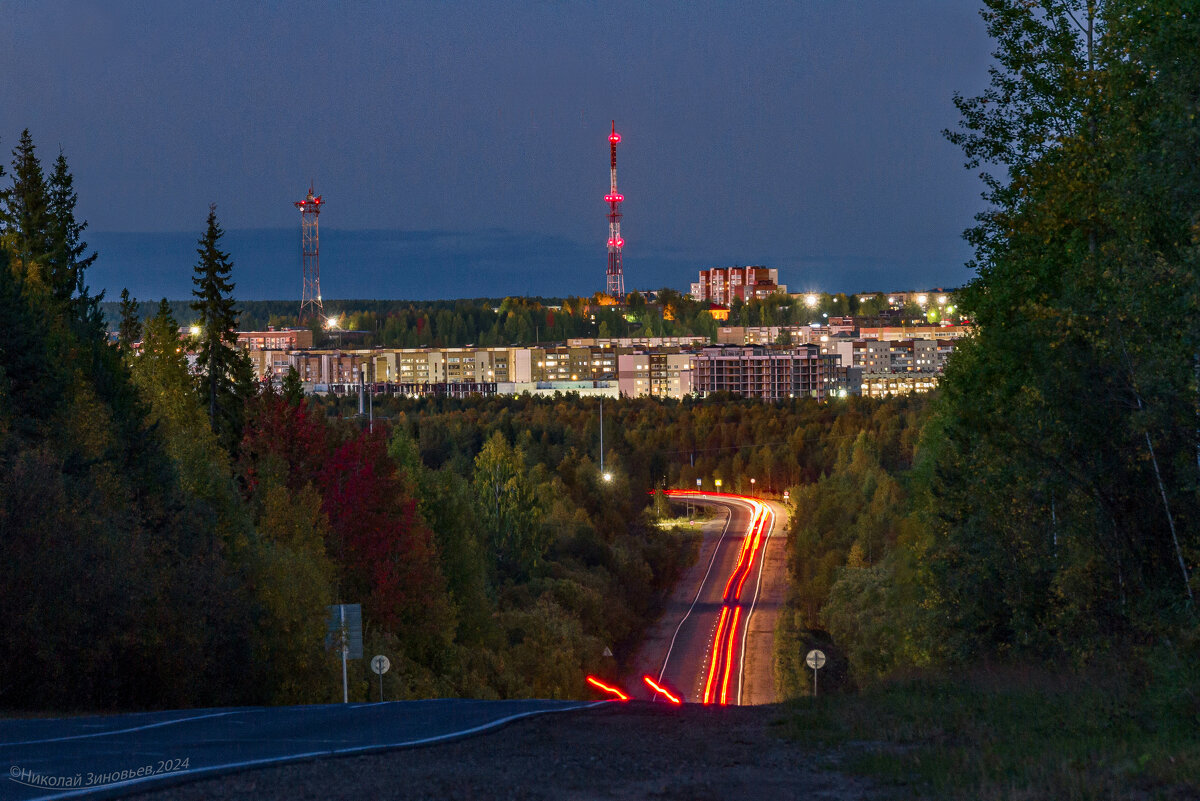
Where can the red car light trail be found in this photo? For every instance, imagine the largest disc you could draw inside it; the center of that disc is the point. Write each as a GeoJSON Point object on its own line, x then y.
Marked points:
{"type": "Point", "coordinates": [725, 641]}
{"type": "Point", "coordinates": [613, 691]}
{"type": "Point", "coordinates": [658, 688]}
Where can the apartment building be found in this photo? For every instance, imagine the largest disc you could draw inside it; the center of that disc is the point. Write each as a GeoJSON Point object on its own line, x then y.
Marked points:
{"type": "Point", "coordinates": [657, 374]}
{"type": "Point", "coordinates": [765, 373]}
{"type": "Point", "coordinates": [723, 284]}
{"type": "Point", "coordinates": [276, 339]}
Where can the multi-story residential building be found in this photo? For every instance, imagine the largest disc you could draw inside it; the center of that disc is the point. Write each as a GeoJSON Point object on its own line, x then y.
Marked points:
{"type": "Point", "coordinates": [915, 332]}
{"type": "Point", "coordinates": [765, 373]}
{"type": "Point", "coordinates": [276, 339]}
{"type": "Point", "coordinates": [763, 334]}
{"type": "Point", "coordinates": [657, 374]}
{"type": "Point", "coordinates": [891, 367]}
{"type": "Point", "coordinates": [723, 284]}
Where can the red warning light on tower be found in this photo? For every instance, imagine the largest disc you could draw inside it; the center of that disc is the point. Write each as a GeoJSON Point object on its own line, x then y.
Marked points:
{"type": "Point", "coordinates": [310, 255]}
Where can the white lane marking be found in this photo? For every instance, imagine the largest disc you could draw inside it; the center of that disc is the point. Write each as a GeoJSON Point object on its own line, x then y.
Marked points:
{"type": "Point", "coordinates": [703, 581]}
{"type": "Point", "coordinates": [110, 732]}
{"type": "Point", "coordinates": [311, 754]}
{"type": "Point", "coordinates": [746, 632]}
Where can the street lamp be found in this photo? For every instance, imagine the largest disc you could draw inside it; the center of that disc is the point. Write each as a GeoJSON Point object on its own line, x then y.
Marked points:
{"type": "Point", "coordinates": [751, 486]}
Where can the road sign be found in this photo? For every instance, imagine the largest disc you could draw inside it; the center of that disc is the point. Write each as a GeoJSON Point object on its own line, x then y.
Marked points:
{"type": "Point", "coordinates": [607, 651]}
{"type": "Point", "coordinates": [816, 661]}
{"type": "Point", "coordinates": [380, 665]}
{"type": "Point", "coordinates": [785, 495]}
{"type": "Point", "coordinates": [344, 629]}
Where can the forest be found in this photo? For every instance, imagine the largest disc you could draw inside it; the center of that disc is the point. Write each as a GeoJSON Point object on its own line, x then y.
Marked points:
{"type": "Point", "coordinates": [173, 534]}
{"type": "Point", "coordinates": [1046, 506]}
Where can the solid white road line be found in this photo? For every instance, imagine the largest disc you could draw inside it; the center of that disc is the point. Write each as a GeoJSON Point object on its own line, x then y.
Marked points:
{"type": "Point", "coordinates": [229, 766]}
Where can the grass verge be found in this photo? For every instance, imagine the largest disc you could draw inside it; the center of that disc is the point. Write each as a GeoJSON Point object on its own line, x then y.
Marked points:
{"type": "Point", "coordinates": [1019, 733]}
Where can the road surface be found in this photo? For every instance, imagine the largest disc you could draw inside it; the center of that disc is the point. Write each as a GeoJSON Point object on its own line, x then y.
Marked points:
{"type": "Point", "coordinates": [713, 644]}
{"type": "Point", "coordinates": [115, 755]}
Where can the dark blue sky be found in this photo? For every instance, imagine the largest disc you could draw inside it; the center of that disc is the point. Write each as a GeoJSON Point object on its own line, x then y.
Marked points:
{"type": "Point", "coordinates": [466, 145]}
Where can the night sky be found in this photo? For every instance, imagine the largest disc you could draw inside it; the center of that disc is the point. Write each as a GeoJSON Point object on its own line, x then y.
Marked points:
{"type": "Point", "coordinates": [462, 147]}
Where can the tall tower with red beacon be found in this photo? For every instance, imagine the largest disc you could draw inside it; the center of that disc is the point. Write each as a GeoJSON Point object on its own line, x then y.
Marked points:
{"type": "Point", "coordinates": [310, 256]}
{"type": "Point", "coordinates": [616, 278]}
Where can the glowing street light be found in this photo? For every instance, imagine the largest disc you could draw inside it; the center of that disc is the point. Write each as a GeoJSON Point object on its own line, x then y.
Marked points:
{"type": "Point", "coordinates": [607, 476]}
{"type": "Point", "coordinates": [195, 330]}
{"type": "Point", "coordinates": [811, 300]}
{"type": "Point", "coordinates": [922, 300]}
{"type": "Point", "coordinates": [331, 323]}
{"type": "Point", "coordinates": [941, 300]}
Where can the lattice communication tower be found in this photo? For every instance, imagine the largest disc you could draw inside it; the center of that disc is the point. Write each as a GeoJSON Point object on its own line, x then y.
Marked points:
{"type": "Point", "coordinates": [616, 277]}
{"type": "Point", "coordinates": [310, 255]}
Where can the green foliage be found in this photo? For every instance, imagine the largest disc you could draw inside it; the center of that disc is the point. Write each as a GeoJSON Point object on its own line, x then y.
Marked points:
{"type": "Point", "coordinates": [510, 511]}
{"type": "Point", "coordinates": [1124, 729]}
{"type": "Point", "coordinates": [1066, 480]}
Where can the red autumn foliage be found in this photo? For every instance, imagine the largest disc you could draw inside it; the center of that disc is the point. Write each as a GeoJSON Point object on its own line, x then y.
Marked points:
{"type": "Point", "coordinates": [297, 435]}
{"type": "Point", "coordinates": [384, 546]}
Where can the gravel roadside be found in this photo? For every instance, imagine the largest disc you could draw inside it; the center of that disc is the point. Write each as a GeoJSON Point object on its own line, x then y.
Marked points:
{"type": "Point", "coordinates": [625, 752]}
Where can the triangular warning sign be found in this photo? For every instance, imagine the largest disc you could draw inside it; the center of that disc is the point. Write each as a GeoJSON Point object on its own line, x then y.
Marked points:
{"type": "Point", "coordinates": [607, 651]}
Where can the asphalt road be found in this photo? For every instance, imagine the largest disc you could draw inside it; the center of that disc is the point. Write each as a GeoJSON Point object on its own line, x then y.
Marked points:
{"type": "Point", "coordinates": [704, 660]}
{"type": "Point", "coordinates": [114, 755]}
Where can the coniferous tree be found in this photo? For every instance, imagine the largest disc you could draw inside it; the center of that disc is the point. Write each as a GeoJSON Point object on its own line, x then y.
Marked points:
{"type": "Point", "coordinates": [130, 329]}
{"type": "Point", "coordinates": [217, 355]}
{"type": "Point", "coordinates": [68, 258]}
{"type": "Point", "coordinates": [293, 389]}
{"type": "Point", "coordinates": [26, 209]}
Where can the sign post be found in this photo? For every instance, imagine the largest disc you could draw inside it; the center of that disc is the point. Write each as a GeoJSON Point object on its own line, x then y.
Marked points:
{"type": "Point", "coordinates": [816, 661]}
{"type": "Point", "coordinates": [344, 632]}
{"type": "Point", "coordinates": [380, 664]}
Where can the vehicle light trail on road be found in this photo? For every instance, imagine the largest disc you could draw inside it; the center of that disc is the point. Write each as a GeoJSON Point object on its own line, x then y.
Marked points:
{"type": "Point", "coordinates": [725, 641]}
{"type": "Point", "coordinates": [658, 688]}
{"type": "Point", "coordinates": [613, 691]}
{"type": "Point", "coordinates": [716, 655]}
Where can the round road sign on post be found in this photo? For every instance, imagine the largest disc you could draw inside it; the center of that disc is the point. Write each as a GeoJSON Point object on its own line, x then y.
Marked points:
{"type": "Point", "coordinates": [380, 664]}
{"type": "Point", "coordinates": [816, 661]}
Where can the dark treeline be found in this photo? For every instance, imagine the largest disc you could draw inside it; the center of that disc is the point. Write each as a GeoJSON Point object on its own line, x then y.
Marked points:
{"type": "Point", "coordinates": [523, 321]}
{"type": "Point", "coordinates": [1052, 511]}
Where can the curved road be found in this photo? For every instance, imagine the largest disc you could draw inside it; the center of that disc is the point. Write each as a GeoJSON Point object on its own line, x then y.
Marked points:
{"type": "Point", "coordinates": [115, 755]}
{"type": "Point", "coordinates": [706, 658]}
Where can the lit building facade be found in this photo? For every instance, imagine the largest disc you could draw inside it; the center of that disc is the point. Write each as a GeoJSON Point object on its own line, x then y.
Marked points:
{"type": "Point", "coordinates": [722, 284]}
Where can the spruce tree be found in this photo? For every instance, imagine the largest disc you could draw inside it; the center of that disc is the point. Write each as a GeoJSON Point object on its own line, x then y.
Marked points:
{"type": "Point", "coordinates": [68, 257]}
{"type": "Point", "coordinates": [293, 389]}
{"type": "Point", "coordinates": [130, 330]}
{"type": "Point", "coordinates": [26, 209]}
{"type": "Point", "coordinates": [217, 355]}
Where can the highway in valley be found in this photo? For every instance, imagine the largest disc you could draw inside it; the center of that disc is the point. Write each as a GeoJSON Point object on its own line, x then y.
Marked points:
{"type": "Point", "coordinates": [711, 646]}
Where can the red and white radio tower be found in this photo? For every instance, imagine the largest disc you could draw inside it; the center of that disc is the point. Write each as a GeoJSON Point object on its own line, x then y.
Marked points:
{"type": "Point", "coordinates": [616, 278]}
{"type": "Point", "coordinates": [310, 251]}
